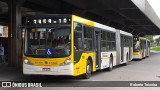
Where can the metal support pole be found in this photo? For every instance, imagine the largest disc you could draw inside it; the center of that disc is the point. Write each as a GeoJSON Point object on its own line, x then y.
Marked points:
{"type": "Point", "coordinates": [108, 22]}
{"type": "Point", "coordinates": [123, 27]}
{"type": "Point", "coordinates": [132, 31]}
{"type": "Point", "coordinates": [14, 41]}
{"type": "Point", "coordinates": [10, 56]}
{"type": "Point", "coordinates": [139, 34]}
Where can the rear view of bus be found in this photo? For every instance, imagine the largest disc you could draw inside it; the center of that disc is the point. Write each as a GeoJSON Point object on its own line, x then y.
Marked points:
{"type": "Point", "coordinates": [148, 48]}
{"type": "Point", "coordinates": [136, 48]}
{"type": "Point", "coordinates": [140, 48]}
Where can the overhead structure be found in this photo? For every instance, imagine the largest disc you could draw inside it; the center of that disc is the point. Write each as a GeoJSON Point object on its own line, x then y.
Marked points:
{"type": "Point", "coordinates": [146, 8]}
{"type": "Point", "coordinates": [133, 16]}
{"type": "Point", "coordinates": [122, 14]}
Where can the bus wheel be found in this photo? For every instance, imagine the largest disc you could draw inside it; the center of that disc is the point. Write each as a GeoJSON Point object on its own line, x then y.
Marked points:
{"type": "Point", "coordinates": [87, 75]}
{"type": "Point", "coordinates": [144, 55]}
{"type": "Point", "coordinates": [110, 64]}
{"type": "Point", "coordinates": [127, 59]}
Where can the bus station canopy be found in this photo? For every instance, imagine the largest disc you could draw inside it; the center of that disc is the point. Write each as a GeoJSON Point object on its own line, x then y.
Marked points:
{"type": "Point", "coordinates": [134, 16]}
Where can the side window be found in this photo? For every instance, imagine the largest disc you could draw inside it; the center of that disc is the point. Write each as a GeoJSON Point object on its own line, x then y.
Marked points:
{"type": "Point", "coordinates": [111, 41]}
{"type": "Point", "coordinates": [103, 35]}
{"type": "Point", "coordinates": [88, 32]}
{"type": "Point", "coordinates": [109, 44]}
{"type": "Point", "coordinates": [128, 41]}
{"type": "Point", "coordinates": [141, 44]}
{"type": "Point", "coordinates": [122, 41]}
{"type": "Point", "coordinates": [125, 40]}
{"type": "Point", "coordinates": [77, 27]}
{"type": "Point", "coordinates": [103, 41]}
{"type": "Point", "coordinates": [113, 45]}
{"type": "Point", "coordinates": [148, 44]}
{"type": "Point", "coordinates": [78, 45]}
{"type": "Point", "coordinates": [108, 36]}
{"type": "Point", "coordinates": [131, 41]}
{"type": "Point", "coordinates": [145, 44]}
{"type": "Point", "coordinates": [88, 38]}
{"type": "Point", "coordinates": [112, 36]}
{"type": "Point", "coordinates": [108, 41]}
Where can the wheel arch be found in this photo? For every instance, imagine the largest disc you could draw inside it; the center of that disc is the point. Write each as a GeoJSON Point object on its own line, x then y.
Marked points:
{"type": "Point", "coordinates": [111, 55]}
{"type": "Point", "coordinates": [91, 61]}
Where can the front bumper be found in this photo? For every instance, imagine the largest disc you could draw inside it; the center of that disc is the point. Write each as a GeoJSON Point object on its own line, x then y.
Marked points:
{"type": "Point", "coordinates": [54, 70]}
{"type": "Point", "coordinates": [138, 56]}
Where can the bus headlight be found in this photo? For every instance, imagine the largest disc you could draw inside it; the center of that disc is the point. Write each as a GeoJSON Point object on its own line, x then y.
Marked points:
{"type": "Point", "coordinates": [66, 62]}
{"type": "Point", "coordinates": [26, 61]}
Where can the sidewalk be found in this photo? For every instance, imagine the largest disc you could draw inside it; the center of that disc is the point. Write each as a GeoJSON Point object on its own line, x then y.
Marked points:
{"type": "Point", "coordinates": [3, 64]}
{"type": "Point", "coordinates": [155, 51]}
{"type": "Point", "coordinates": [15, 73]}
{"type": "Point", "coordinates": [9, 73]}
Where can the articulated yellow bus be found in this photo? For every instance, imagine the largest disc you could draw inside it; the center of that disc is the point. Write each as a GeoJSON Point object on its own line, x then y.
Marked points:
{"type": "Point", "coordinates": [141, 48]}
{"type": "Point", "coordinates": [73, 46]}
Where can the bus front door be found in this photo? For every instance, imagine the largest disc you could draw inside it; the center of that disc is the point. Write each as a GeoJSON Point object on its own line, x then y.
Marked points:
{"type": "Point", "coordinates": [122, 48]}
{"type": "Point", "coordinates": [130, 46]}
{"type": "Point", "coordinates": [97, 49]}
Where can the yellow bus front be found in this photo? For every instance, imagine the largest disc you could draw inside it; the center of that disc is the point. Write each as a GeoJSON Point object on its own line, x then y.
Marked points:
{"type": "Point", "coordinates": [50, 47]}
{"type": "Point", "coordinates": [47, 47]}
{"type": "Point", "coordinates": [137, 51]}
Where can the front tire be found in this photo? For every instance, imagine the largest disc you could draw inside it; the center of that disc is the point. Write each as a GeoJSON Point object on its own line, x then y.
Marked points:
{"type": "Point", "coordinates": [127, 60]}
{"type": "Point", "coordinates": [110, 64]}
{"type": "Point", "coordinates": [143, 55]}
{"type": "Point", "coordinates": [87, 75]}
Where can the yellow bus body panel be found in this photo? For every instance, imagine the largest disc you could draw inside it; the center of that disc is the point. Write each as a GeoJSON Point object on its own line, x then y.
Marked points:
{"type": "Point", "coordinates": [80, 66]}
{"type": "Point", "coordinates": [141, 50]}
{"type": "Point", "coordinates": [82, 20]}
{"type": "Point", "coordinates": [46, 61]}
{"type": "Point", "coordinates": [138, 53]}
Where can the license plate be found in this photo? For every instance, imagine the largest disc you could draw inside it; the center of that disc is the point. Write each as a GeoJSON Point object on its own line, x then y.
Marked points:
{"type": "Point", "coordinates": [46, 69]}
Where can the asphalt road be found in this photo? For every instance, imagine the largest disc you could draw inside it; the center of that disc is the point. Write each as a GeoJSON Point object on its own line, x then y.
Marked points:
{"type": "Point", "coordinates": [137, 70]}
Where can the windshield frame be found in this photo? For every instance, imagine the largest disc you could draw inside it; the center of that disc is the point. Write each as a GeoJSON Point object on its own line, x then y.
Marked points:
{"type": "Point", "coordinates": [47, 56]}
{"type": "Point", "coordinates": [138, 48]}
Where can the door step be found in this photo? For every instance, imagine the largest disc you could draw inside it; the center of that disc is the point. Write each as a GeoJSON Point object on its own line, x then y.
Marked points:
{"type": "Point", "coordinates": [97, 67]}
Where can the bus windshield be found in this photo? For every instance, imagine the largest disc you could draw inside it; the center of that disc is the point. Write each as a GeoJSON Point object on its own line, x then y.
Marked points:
{"type": "Point", "coordinates": [136, 46]}
{"type": "Point", "coordinates": [48, 42]}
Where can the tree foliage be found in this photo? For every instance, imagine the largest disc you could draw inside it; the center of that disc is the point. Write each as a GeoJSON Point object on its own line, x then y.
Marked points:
{"type": "Point", "coordinates": [149, 37]}
{"type": "Point", "coordinates": [158, 41]}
